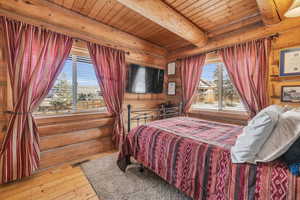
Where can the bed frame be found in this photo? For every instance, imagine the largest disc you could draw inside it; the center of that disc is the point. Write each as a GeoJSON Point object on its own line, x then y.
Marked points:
{"type": "Point", "coordinates": [143, 116]}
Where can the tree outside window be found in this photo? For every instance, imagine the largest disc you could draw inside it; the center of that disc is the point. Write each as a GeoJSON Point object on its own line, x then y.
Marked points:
{"type": "Point", "coordinates": [215, 90]}
{"type": "Point", "coordinates": [75, 90]}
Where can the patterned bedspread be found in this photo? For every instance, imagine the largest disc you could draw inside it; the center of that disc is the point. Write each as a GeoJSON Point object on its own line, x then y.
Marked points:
{"type": "Point", "coordinates": [194, 156]}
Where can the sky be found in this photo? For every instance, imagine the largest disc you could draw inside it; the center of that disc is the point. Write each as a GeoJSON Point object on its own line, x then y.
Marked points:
{"type": "Point", "coordinates": [85, 73]}
{"type": "Point", "coordinates": [208, 72]}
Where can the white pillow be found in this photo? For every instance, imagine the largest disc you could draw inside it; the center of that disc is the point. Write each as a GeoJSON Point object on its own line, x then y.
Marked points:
{"type": "Point", "coordinates": [284, 135]}
{"type": "Point", "coordinates": [255, 134]}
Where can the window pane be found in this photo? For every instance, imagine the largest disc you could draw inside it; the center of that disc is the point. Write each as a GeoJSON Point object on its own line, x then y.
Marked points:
{"type": "Point", "coordinates": [89, 97]}
{"type": "Point", "coordinates": [59, 99]}
{"type": "Point", "coordinates": [231, 99]}
{"type": "Point", "coordinates": [207, 94]}
{"type": "Point", "coordinates": [81, 84]}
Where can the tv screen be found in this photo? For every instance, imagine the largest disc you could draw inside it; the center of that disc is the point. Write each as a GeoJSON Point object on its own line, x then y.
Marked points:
{"type": "Point", "coordinates": [143, 79]}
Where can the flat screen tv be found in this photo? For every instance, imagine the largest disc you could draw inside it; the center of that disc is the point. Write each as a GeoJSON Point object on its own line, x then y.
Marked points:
{"type": "Point", "coordinates": [143, 79]}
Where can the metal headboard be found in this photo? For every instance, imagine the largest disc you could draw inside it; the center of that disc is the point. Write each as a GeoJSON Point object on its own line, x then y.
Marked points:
{"type": "Point", "coordinates": [143, 116]}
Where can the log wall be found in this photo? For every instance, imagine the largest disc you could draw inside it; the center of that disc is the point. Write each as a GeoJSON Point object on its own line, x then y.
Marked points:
{"type": "Point", "coordinates": [65, 138]}
{"type": "Point", "coordinates": [287, 39]}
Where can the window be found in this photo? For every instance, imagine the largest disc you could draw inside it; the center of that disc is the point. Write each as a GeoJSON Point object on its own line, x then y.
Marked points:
{"type": "Point", "coordinates": [216, 91]}
{"type": "Point", "coordinates": [75, 90]}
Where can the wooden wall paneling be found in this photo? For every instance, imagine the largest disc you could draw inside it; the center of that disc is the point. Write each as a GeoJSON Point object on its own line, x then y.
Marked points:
{"type": "Point", "coordinates": [65, 118]}
{"type": "Point", "coordinates": [285, 40]}
{"type": "Point", "coordinates": [59, 140]}
{"type": "Point", "coordinates": [58, 128]}
{"type": "Point", "coordinates": [177, 98]}
{"type": "Point", "coordinates": [68, 153]}
{"type": "Point", "coordinates": [221, 117]}
{"type": "Point", "coordinates": [146, 100]}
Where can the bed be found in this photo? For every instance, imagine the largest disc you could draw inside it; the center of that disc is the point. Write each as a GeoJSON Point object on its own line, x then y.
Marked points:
{"type": "Point", "coordinates": [194, 156]}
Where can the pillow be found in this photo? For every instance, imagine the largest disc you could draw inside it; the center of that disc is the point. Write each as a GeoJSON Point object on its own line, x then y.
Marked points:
{"type": "Point", "coordinates": [255, 134]}
{"type": "Point", "coordinates": [284, 135]}
{"type": "Point", "coordinates": [296, 109]}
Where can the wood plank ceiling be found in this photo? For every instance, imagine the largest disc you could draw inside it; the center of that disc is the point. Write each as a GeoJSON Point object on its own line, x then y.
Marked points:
{"type": "Point", "coordinates": [216, 17]}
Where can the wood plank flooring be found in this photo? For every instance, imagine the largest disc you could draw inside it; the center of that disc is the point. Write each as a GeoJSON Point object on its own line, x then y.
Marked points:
{"type": "Point", "coordinates": [61, 183]}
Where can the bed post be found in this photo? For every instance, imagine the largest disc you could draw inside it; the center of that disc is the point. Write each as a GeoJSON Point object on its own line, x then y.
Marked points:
{"type": "Point", "coordinates": [129, 117]}
{"type": "Point", "coordinates": [180, 108]}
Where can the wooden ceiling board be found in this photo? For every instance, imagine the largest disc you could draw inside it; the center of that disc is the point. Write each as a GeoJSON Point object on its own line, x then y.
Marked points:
{"type": "Point", "coordinates": [110, 7]}
{"type": "Point", "coordinates": [215, 7]}
{"type": "Point", "coordinates": [185, 4]}
{"type": "Point", "coordinates": [212, 12]}
{"type": "Point", "coordinates": [131, 23]}
{"type": "Point", "coordinates": [226, 19]}
{"type": "Point", "coordinates": [193, 7]}
{"type": "Point", "coordinates": [87, 7]}
{"type": "Point", "coordinates": [244, 22]}
{"type": "Point", "coordinates": [208, 15]}
{"type": "Point", "coordinates": [66, 3]}
{"type": "Point", "coordinates": [224, 9]}
{"type": "Point", "coordinates": [149, 35]}
{"type": "Point", "coordinates": [78, 5]}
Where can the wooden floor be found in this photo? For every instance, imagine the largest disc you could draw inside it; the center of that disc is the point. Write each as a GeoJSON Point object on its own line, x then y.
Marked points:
{"type": "Point", "coordinates": [61, 183]}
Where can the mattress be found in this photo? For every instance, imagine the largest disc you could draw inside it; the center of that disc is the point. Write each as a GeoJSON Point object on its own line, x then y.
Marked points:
{"type": "Point", "coordinates": [194, 156]}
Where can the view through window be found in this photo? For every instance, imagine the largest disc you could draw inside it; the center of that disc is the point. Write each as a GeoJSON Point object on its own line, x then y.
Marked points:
{"type": "Point", "coordinates": [215, 90]}
{"type": "Point", "coordinates": [75, 90]}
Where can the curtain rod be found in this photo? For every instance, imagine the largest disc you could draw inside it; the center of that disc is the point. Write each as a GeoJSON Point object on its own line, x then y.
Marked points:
{"type": "Point", "coordinates": [275, 35]}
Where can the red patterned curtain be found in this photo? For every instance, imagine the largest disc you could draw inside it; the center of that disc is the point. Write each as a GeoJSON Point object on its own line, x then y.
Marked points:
{"type": "Point", "coordinates": [35, 58]}
{"type": "Point", "coordinates": [247, 66]}
{"type": "Point", "coordinates": [191, 69]}
{"type": "Point", "coordinates": [110, 71]}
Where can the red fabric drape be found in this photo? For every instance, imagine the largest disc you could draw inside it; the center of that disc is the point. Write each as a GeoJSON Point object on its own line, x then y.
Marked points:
{"type": "Point", "coordinates": [110, 71]}
{"type": "Point", "coordinates": [191, 69]}
{"type": "Point", "coordinates": [35, 58]}
{"type": "Point", "coordinates": [247, 66]}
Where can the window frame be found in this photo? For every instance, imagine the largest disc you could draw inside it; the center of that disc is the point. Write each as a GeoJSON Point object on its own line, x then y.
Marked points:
{"type": "Point", "coordinates": [214, 59]}
{"type": "Point", "coordinates": [75, 52]}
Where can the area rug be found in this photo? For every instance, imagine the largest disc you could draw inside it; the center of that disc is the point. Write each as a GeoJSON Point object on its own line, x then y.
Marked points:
{"type": "Point", "coordinates": [110, 183]}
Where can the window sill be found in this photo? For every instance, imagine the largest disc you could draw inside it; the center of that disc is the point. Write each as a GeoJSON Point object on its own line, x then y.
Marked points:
{"type": "Point", "coordinates": [224, 115]}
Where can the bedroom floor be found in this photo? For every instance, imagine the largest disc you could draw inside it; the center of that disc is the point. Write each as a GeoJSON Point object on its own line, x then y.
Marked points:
{"type": "Point", "coordinates": [61, 183]}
